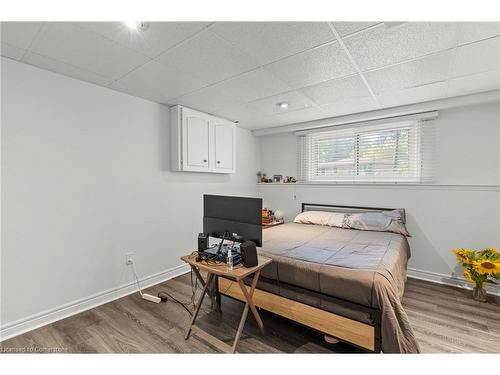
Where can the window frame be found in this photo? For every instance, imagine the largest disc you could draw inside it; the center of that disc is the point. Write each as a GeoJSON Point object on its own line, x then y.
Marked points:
{"type": "Point", "coordinates": [308, 172]}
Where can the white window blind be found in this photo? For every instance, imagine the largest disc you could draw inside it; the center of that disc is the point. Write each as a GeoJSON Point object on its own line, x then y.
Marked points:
{"type": "Point", "coordinates": [392, 152]}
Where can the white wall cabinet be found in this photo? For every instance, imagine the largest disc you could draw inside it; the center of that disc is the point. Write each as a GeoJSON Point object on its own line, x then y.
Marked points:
{"type": "Point", "coordinates": [201, 142]}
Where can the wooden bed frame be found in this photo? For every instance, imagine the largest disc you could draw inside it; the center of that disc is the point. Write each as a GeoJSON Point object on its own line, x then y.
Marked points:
{"type": "Point", "coordinates": [360, 334]}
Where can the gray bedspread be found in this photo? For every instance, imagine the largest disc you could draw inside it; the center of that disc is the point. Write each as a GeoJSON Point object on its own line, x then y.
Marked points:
{"type": "Point", "coordinates": [364, 267]}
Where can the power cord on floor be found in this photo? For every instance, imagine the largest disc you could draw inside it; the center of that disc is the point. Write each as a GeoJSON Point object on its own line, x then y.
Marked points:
{"type": "Point", "coordinates": [194, 286]}
{"type": "Point", "coordinates": [146, 296]}
{"type": "Point", "coordinates": [164, 298]}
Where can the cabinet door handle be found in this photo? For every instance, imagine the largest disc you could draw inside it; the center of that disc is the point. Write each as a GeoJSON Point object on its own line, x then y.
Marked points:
{"type": "Point", "coordinates": [204, 160]}
{"type": "Point", "coordinates": [218, 161]}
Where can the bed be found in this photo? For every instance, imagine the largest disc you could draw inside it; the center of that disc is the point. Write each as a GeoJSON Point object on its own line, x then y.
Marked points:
{"type": "Point", "coordinates": [345, 283]}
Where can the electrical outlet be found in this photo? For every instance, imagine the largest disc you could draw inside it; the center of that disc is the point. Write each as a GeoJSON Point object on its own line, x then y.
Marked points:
{"type": "Point", "coordinates": [129, 258]}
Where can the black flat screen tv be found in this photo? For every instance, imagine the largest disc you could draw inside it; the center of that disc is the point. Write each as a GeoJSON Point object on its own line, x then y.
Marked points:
{"type": "Point", "coordinates": [238, 216]}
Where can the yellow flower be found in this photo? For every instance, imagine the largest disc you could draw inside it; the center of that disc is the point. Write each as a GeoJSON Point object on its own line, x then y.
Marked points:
{"type": "Point", "coordinates": [467, 275]}
{"type": "Point", "coordinates": [489, 253]}
{"type": "Point", "coordinates": [490, 249]}
{"type": "Point", "coordinates": [487, 267]}
{"type": "Point", "coordinates": [464, 255]}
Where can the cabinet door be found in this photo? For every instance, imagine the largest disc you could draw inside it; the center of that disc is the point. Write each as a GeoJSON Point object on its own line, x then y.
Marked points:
{"type": "Point", "coordinates": [196, 140]}
{"type": "Point", "coordinates": [224, 146]}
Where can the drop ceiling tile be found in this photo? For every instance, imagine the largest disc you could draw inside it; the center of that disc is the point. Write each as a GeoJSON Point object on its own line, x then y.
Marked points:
{"type": "Point", "coordinates": [271, 41]}
{"type": "Point", "coordinates": [144, 94]}
{"type": "Point", "coordinates": [86, 50]}
{"type": "Point", "coordinates": [6, 50]}
{"type": "Point", "coordinates": [477, 57]}
{"type": "Point", "coordinates": [347, 106]}
{"type": "Point", "coordinates": [347, 28]}
{"type": "Point", "coordinates": [249, 114]}
{"type": "Point", "coordinates": [336, 90]}
{"type": "Point", "coordinates": [384, 45]}
{"type": "Point", "coordinates": [253, 85]}
{"type": "Point", "coordinates": [301, 115]}
{"type": "Point", "coordinates": [159, 37]}
{"type": "Point", "coordinates": [313, 66]}
{"type": "Point", "coordinates": [252, 124]}
{"type": "Point", "coordinates": [469, 32]}
{"type": "Point", "coordinates": [208, 57]}
{"type": "Point", "coordinates": [429, 69]}
{"type": "Point", "coordinates": [19, 34]}
{"type": "Point", "coordinates": [239, 112]}
{"type": "Point", "coordinates": [262, 122]}
{"type": "Point", "coordinates": [268, 107]}
{"type": "Point", "coordinates": [161, 81]}
{"type": "Point", "coordinates": [412, 95]}
{"type": "Point", "coordinates": [470, 84]}
{"type": "Point", "coordinates": [209, 99]}
{"type": "Point", "coordinates": [65, 69]}
{"type": "Point", "coordinates": [292, 117]}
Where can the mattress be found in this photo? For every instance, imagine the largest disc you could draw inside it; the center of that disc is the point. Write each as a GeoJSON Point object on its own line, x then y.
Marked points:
{"type": "Point", "coordinates": [363, 267]}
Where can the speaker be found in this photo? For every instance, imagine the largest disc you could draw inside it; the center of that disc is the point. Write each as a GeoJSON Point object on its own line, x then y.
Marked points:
{"type": "Point", "coordinates": [202, 241]}
{"type": "Point", "coordinates": [249, 254]}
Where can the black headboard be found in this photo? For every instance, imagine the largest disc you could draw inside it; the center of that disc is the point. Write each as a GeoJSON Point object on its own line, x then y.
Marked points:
{"type": "Point", "coordinates": [337, 208]}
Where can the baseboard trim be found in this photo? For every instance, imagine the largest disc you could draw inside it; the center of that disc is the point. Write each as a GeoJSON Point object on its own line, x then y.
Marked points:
{"type": "Point", "coordinates": [32, 322]}
{"type": "Point", "coordinates": [452, 280]}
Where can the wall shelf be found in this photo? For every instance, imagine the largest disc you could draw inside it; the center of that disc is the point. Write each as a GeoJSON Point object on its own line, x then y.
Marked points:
{"type": "Point", "coordinates": [383, 186]}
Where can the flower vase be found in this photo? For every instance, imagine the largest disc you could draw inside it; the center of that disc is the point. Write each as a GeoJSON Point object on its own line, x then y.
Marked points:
{"type": "Point", "coordinates": [479, 293]}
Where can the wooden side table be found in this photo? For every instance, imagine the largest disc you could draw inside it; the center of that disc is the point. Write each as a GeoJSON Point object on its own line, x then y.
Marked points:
{"type": "Point", "coordinates": [237, 274]}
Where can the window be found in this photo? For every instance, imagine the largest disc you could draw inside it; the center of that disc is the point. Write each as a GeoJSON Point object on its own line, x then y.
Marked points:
{"type": "Point", "coordinates": [390, 152]}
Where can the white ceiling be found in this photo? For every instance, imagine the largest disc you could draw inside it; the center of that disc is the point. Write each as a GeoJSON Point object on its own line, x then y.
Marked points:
{"type": "Point", "coordinates": [240, 70]}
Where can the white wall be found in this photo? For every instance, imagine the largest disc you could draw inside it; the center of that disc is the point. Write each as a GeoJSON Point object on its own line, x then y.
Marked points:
{"type": "Point", "coordinates": [85, 180]}
{"type": "Point", "coordinates": [449, 214]}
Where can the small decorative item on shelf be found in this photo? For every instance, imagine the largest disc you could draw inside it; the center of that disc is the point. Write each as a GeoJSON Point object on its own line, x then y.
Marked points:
{"type": "Point", "coordinates": [480, 267]}
{"type": "Point", "coordinates": [289, 180]}
{"type": "Point", "coordinates": [262, 178]}
{"type": "Point", "coordinates": [279, 215]}
{"type": "Point", "coordinates": [278, 178]}
{"type": "Point", "coordinates": [267, 216]}
{"type": "Point", "coordinates": [271, 219]}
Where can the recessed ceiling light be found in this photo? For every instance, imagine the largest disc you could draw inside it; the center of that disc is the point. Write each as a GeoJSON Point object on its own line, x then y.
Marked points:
{"type": "Point", "coordinates": [136, 25]}
{"type": "Point", "coordinates": [132, 25]}
{"type": "Point", "coordinates": [282, 105]}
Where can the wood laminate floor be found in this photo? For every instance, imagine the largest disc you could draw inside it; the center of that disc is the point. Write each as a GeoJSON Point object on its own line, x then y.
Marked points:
{"type": "Point", "coordinates": [445, 320]}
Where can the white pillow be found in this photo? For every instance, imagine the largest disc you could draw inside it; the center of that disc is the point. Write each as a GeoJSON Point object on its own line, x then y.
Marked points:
{"type": "Point", "coordinates": [389, 221]}
{"type": "Point", "coordinates": [332, 219]}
